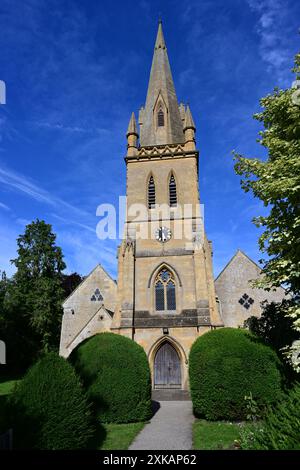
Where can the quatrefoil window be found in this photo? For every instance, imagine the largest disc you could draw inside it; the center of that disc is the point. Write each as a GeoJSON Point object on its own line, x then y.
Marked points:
{"type": "Point", "coordinates": [246, 301]}
{"type": "Point", "coordinates": [97, 296]}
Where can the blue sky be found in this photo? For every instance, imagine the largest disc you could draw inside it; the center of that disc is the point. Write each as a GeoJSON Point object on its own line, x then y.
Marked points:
{"type": "Point", "coordinates": [74, 72]}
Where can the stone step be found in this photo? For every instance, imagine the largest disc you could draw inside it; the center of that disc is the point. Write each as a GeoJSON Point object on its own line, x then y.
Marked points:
{"type": "Point", "coordinates": [170, 395]}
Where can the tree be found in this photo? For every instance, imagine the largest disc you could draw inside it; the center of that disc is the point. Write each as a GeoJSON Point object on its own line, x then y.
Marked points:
{"type": "Point", "coordinates": [34, 297]}
{"type": "Point", "coordinates": [274, 326]}
{"type": "Point", "coordinates": [3, 289]}
{"type": "Point", "coordinates": [49, 408]}
{"type": "Point", "coordinates": [276, 182]}
{"type": "Point", "coordinates": [280, 429]}
{"type": "Point", "coordinates": [70, 282]}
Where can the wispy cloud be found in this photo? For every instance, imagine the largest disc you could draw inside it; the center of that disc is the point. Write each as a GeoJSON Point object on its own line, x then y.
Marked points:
{"type": "Point", "coordinates": [22, 184]}
{"type": "Point", "coordinates": [80, 242]}
{"type": "Point", "coordinates": [4, 207]}
{"type": "Point", "coordinates": [75, 74]}
{"type": "Point", "coordinates": [22, 222]}
{"type": "Point", "coordinates": [73, 222]}
{"type": "Point", "coordinates": [70, 129]}
{"type": "Point", "coordinates": [275, 50]}
{"type": "Point", "coordinates": [83, 251]}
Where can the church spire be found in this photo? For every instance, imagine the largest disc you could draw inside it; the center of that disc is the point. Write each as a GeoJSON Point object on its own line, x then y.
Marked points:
{"type": "Point", "coordinates": [189, 130]}
{"type": "Point", "coordinates": [132, 136]}
{"type": "Point", "coordinates": [160, 40]}
{"type": "Point", "coordinates": [188, 121]}
{"type": "Point", "coordinates": [132, 129]}
{"type": "Point", "coordinates": [160, 120]}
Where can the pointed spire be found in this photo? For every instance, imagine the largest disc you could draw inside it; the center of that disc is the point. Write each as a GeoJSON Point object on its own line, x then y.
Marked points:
{"type": "Point", "coordinates": [160, 40]}
{"type": "Point", "coordinates": [132, 137]}
{"type": "Point", "coordinates": [188, 121]}
{"type": "Point", "coordinates": [132, 127]}
{"type": "Point", "coordinates": [189, 129]}
{"type": "Point", "coordinates": [161, 98]}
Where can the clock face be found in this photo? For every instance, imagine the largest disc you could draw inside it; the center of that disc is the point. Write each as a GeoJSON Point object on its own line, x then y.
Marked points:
{"type": "Point", "coordinates": [163, 234]}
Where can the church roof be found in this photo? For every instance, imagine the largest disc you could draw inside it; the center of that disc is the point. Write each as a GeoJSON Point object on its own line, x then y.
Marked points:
{"type": "Point", "coordinates": [236, 255]}
{"type": "Point", "coordinates": [99, 268]}
{"type": "Point", "coordinates": [161, 87]}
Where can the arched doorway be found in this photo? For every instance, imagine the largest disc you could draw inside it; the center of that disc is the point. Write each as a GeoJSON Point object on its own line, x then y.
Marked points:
{"type": "Point", "coordinates": [167, 369]}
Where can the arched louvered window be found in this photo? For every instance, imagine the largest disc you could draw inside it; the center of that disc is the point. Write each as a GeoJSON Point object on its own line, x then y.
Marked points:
{"type": "Point", "coordinates": [165, 293]}
{"type": "Point", "coordinates": [160, 118]}
{"type": "Point", "coordinates": [151, 193]}
{"type": "Point", "coordinates": [172, 191]}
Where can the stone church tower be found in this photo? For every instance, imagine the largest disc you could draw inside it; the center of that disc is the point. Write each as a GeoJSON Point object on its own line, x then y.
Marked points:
{"type": "Point", "coordinates": [166, 296]}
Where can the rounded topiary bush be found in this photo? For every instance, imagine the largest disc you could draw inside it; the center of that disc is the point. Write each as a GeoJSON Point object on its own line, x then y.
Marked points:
{"type": "Point", "coordinates": [227, 364]}
{"type": "Point", "coordinates": [115, 371]}
{"type": "Point", "coordinates": [49, 408]}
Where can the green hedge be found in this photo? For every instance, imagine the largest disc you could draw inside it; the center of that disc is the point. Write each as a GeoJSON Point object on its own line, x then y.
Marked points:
{"type": "Point", "coordinates": [280, 429]}
{"type": "Point", "coordinates": [227, 364]}
{"type": "Point", "coordinates": [49, 408]}
{"type": "Point", "coordinates": [115, 371]}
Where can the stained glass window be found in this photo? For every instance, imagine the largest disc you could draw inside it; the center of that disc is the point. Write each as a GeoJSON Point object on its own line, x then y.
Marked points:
{"type": "Point", "coordinates": [165, 292]}
{"type": "Point", "coordinates": [171, 299]}
{"type": "Point", "coordinates": [159, 296]}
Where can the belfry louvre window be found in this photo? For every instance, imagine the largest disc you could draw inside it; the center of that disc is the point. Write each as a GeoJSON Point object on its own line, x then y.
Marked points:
{"type": "Point", "coordinates": [165, 293]}
{"type": "Point", "coordinates": [160, 118]}
{"type": "Point", "coordinates": [172, 191]}
{"type": "Point", "coordinates": [151, 193]}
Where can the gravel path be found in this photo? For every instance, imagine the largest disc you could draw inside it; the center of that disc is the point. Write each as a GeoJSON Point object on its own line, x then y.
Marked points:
{"type": "Point", "coordinates": [169, 429]}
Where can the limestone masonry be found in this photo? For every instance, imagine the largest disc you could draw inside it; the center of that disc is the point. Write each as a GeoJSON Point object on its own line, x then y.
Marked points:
{"type": "Point", "coordinates": [166, 295]}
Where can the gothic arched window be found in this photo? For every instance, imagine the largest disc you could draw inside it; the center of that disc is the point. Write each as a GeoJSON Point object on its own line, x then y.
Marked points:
{"type": "Point", "coordinates": [151, 193]}
{"type": "Point", "coordinates": [165, 292]}
{"type": "Point", "coordinates": [160, 118]}
{"type": "Point", "coordinates": [172, 191]}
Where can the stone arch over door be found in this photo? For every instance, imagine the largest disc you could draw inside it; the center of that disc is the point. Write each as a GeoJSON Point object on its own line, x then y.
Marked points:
{"type": "Point", "coordinates": [167, 367]}
{"type": "Point", "coordinates": [151, 353]}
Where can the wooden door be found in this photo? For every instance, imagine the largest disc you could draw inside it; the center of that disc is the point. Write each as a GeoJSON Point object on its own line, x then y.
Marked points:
{"type": "Point", "coordinates": [167, 371]}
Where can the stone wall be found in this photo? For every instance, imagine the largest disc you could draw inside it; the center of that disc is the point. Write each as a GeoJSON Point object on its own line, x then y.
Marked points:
{"type": "Point", "coordinates": [238, 300]}
{"type": "Point", "coordinates": [88, 310]}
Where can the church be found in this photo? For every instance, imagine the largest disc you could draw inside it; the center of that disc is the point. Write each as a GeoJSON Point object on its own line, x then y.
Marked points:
{"type": "Point", "coordinates": [165, 295]}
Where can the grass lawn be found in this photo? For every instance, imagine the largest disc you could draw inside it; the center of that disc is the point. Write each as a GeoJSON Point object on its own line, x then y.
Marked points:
{"type": "Point", "coordinates": [7, 386]}
{"type": "Point", "coordinates": [117, 436]}
{"type": "Point", "coordinates": [219, 435]}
